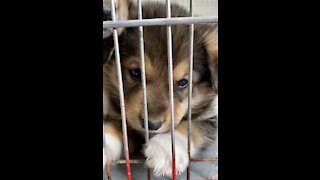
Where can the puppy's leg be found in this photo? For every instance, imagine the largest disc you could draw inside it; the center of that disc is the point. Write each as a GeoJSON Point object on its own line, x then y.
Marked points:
{"type": "Point", "coordinates": [114, 143]}
{"type": "Point", "coordinates": [158, 149]}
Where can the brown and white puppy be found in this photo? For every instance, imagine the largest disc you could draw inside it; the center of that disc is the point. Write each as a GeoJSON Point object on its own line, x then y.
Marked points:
{"type": "Point", "coordinates": [121, 10]}
{"type": "Point", "coordinates": [204, 97]}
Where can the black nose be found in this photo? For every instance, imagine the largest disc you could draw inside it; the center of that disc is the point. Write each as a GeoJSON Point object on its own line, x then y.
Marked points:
{"type": "Point", "coordinates": [153, 124]}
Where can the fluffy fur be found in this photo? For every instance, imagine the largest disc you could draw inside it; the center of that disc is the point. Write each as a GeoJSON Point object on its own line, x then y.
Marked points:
{"type": "Point", "coordinates": [204, 97]}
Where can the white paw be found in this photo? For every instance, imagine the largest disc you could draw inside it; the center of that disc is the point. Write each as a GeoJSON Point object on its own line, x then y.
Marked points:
{"type": "Point", "coordinates": [112, 149]}
{"type": "Point", "coordinates": [159, 155]}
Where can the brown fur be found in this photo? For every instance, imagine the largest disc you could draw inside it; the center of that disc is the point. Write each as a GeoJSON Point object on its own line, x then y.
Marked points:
{"type": "Point", "coordinates": [155, 43]}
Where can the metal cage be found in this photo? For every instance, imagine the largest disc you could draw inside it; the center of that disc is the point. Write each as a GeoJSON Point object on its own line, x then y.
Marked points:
{"type": "Point", "coordinates": [168, 21]}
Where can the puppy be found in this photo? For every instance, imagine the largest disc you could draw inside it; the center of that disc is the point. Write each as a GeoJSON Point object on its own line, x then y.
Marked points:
{"type": "Point", "coordinates": [204, 98]}
{"type": "Point", "coordinates": [121, 10]}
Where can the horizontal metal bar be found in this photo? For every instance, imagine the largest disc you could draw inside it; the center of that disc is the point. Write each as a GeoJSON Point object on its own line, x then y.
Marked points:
{"type": "Point", "coordinates": [138, 161]}
{"type": "Point", "coordinates": [203, 159]}
{"type": "Point", "coordinates": [132, 161]}
{"type": "Point", "coordinates": [160, 21]}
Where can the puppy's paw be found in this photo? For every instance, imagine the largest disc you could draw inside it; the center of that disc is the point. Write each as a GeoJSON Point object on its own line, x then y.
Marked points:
{"type": "Point", "coordinates": [159, 155]}
{"type": "Point", "coordinates": [112, 150]}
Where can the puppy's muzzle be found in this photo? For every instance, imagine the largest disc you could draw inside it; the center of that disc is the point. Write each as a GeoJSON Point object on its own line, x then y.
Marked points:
{"type": "Point", "coordinates": [152, 124]}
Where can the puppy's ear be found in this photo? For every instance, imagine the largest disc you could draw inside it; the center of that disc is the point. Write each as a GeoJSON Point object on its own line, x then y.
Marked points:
{"type": "Point", "coordinates": [108, 46]}
{"type": "Point", "coordinates": [108, 49]}
{"type": "Point", "coordinates": [211, 44]}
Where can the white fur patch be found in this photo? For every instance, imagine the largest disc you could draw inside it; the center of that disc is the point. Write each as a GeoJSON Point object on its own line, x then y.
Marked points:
{"type": "Point", "coordinates": [159, 155]}
{"type": "Point", "coordinates": [113, 148]}
{"type": "Point", "coordinates": [104, 159]}
{"type": "Point", "coordinates": [215, 104]}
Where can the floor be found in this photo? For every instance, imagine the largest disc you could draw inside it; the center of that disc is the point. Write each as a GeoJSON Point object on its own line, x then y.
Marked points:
{"type": "Point", "coordinates": [199, 170]}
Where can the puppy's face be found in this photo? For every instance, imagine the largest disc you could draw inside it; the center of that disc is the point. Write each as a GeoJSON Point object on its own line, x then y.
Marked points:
{"type": "Point", "coordinates": [157, 85]}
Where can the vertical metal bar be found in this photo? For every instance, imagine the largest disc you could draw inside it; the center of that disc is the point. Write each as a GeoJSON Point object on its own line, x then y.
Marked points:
{"type": "Point", "coordinates": [143, 74]}
{"type": "Point", "coordinates": [144, 86]}
{"type": "Point", "coordinates": [121, 94]}
{"type": "Point", "coordinates": [169, 47]}
{"type": "Point", "coordinates": [191, 29]}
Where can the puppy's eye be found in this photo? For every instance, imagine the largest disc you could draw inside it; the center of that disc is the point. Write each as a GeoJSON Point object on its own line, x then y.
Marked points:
{"type": "Point", "coordinates": [183, 83]}
{"type": "Point", "coordinates": [136, 73]}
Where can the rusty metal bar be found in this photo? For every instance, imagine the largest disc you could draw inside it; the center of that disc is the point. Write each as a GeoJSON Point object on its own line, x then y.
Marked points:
{"type": "Point", "coordinates": [169, 49]}
{"type": "Point", "coordinates": [143, 77]}
{"type": "Point", "coordinates": [121, 93]}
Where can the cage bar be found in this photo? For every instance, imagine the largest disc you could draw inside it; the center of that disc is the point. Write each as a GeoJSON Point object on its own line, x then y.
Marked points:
{"type": "Point", "coordinates": [132, 161]}
{"type": "Point", "coordinates": [121, 93]}
{"type": "Point", "coordinates": [160, 21]}
{"type": "Point", "coordinates": [214, 159]}
{"type": "Point", "coordinates": [143, 74]}
{"type": "Point", "coordinates": [191, 30]}
{"type": "Point", "coordinates": [170, 76]}
{"type": "Point", "coordinates": [140, 161]}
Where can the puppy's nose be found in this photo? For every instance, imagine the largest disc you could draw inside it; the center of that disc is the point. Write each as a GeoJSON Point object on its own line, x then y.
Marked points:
{"type": "Point", "coordinates": [152, 124]}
